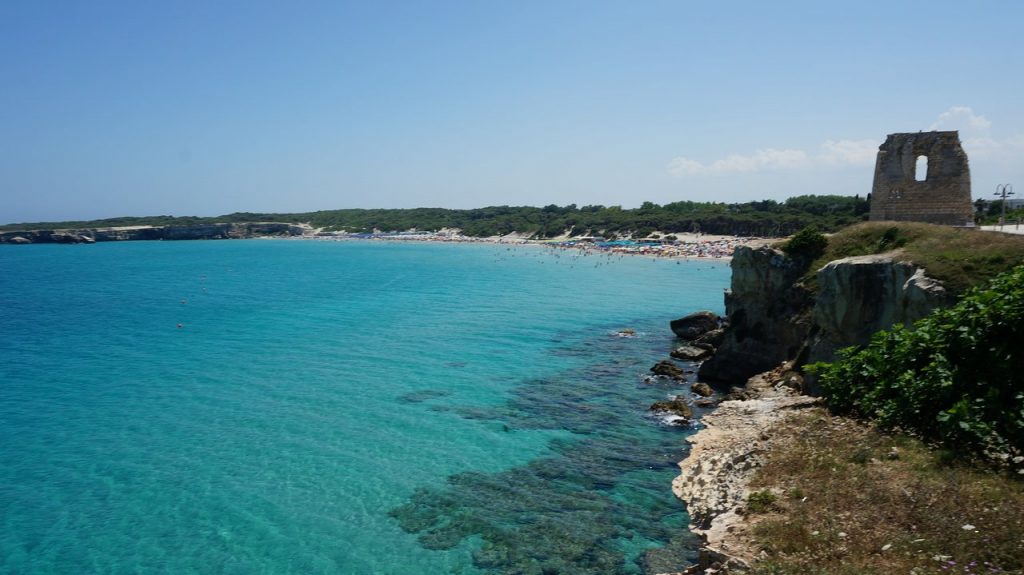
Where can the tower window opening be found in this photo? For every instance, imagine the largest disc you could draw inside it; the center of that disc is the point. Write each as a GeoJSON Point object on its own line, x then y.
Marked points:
{"type": "Point", "coordinates": [921, 169]}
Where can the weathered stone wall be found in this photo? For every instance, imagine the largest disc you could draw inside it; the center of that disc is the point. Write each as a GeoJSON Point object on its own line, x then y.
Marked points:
{"type": "Point", "coordinates": [944, 197]}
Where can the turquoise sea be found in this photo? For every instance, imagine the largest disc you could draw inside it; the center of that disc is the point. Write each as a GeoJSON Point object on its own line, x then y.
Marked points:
{"type": "Point", "coordinates": [338, 408]}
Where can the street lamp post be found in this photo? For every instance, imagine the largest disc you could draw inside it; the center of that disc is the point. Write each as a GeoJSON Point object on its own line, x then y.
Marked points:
{"type": "Point", "coordinates": [1003, 190]}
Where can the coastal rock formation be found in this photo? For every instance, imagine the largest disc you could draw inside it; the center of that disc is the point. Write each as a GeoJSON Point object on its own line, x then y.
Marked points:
{"type": "Point", "coordinates": [714, 338]}
{"type": "Point", "coordinates": [695, 325]}
{"type": "Point", "coordinates": [690, 353]}
{"type": "Point", "coordinates": [702, 389]}
{"type": "Point", "coordinates": [773, 318]}
{"type": "Point", "coordinates": [193, 232]}
{"type": "Point", "coordinates": [776, 321]}
{"type": "Point", "coordinates": [668, 369]}
{"type": "Point", "coordinates": [768, 314]}
{"type": "Point", "coordinates": [859, 296]}
{"type": "Point", "coordinates": [676, 406]}
{"type": "Point", "coordinates": [723, 457]}
{"type": "Point", "coordinates": [70, 238]}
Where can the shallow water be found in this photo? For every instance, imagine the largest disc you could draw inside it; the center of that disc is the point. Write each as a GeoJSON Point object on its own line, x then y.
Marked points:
{"type": "Point", "coordinates": [337, 408]}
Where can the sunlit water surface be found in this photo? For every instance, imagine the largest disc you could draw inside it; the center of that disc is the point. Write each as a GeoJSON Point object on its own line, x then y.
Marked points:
{"type": "Point", "coordinates": [338, 407]}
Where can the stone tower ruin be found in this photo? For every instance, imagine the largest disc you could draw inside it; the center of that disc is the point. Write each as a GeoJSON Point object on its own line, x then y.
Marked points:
{"type": "Point", "coordinates": [940, 195]}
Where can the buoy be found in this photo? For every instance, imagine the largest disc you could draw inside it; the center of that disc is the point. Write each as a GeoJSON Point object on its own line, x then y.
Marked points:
{"type": "Point", "coordinates": [180, 326]}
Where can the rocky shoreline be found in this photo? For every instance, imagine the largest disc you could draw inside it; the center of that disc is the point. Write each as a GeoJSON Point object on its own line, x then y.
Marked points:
{"type": "Point", "coordinates": [731, 446]}
{"type": "Point", "coordinates": [774, 325]}
{"type": "Point", "coordinates": [134, 233]}
{"type": "Point", "coordinates": [724, 455]}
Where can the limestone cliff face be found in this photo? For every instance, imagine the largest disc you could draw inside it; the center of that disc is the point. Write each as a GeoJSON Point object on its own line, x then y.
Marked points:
{"type": "Point", "coordinates": [774, 319]}
{"type": "Point", "coordinates": [768, 316]}
{"type": "Point", "coordinates": [861, 295]}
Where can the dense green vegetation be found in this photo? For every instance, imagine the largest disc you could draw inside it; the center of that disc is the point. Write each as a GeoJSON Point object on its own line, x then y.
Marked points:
{"type": "Point", "coordinates": [956, 377]}
{"type": "Point", "coordinates": [808, 244]}
{"type": "Point", "coordinates": [987, 213]}
{"type": "Point", "coordinates": [765, 218]}
{"type": "Point", "coordinates": [960, 258]}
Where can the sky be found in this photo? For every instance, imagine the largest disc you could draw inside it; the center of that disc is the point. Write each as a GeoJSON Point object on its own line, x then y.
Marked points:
{"type": "Point", "coordinates": [112, 108]}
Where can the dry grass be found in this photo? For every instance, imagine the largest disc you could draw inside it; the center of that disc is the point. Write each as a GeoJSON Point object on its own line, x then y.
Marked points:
{"type": "Point", "coordinates": [850, 499]}
{"type": "Point", "coordinates": [960, 258]}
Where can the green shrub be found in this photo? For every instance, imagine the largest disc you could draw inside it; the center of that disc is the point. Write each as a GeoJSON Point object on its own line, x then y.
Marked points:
{"type": "Point", "coordinates": [891, 239]}
{"type": "Point", "coordinates": [761, 501]}
{"type": "Point", "coordinates": [957, 377]}
{"type": "Point", "coordinates": [808, 244]}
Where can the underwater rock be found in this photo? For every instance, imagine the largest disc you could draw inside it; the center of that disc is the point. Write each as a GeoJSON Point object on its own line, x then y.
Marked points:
{"type": "Point", "coordinates": [422, 395]}
{"type": "Point", "coordinates": [579, 510]}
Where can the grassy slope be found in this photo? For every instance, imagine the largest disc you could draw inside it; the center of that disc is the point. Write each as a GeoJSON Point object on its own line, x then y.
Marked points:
{"type": "Point", "coordinates": [839, 497]}
{"type": "Point", "coordinates": [960, 258]}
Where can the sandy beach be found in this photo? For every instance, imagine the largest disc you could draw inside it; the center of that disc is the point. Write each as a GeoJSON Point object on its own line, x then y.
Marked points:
{"type": "Point", "coordinates": [685, 245]}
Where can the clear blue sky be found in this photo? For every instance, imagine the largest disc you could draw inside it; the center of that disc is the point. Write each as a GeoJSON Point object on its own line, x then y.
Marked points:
{"type": "Point", "coordinates": [204, 108]}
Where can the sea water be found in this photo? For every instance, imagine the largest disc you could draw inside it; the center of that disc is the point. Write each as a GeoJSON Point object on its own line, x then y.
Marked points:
{"type": "Point", "coordinates": [338, 407]}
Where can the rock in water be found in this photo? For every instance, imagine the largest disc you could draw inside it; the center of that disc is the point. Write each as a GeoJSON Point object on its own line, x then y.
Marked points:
{"type": "Point", "coordinates": [702, 389]}
{"type": "Point", "coordinates": [713, 338]}
{"type": "Point", "coordinates": [675, 406]}
{"type": "Point", "coordinates": [695, 325]}
{"type": "Point", "coordinates": [668, 369]}
{"type": "Point", "coordinates": [690, 353]}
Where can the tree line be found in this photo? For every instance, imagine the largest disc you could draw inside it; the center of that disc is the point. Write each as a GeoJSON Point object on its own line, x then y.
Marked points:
{"type": "Point", "coordinates": [767, 218]}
